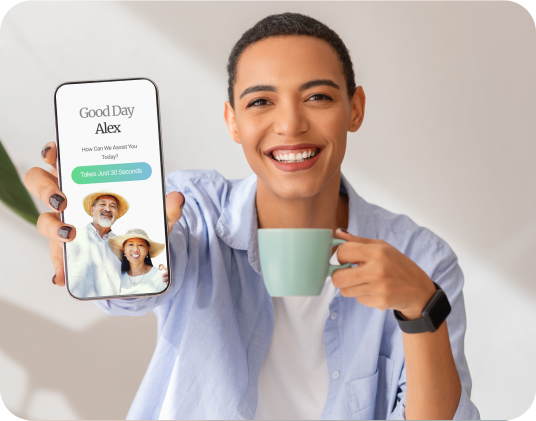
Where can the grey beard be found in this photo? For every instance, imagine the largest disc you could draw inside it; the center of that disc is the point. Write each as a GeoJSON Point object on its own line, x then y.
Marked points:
{"type": "Point", "coordinates": [106, 222]}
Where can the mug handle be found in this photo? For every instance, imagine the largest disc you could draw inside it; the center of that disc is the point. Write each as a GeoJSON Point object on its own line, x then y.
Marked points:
{"type": "Point", "coordinates": [333, 268]}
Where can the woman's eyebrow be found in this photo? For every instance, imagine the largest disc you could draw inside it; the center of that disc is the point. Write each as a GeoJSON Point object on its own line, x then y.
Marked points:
{"type": "Point", "coordinates": [318, 82]}
{"type": "Point", "coordinates": [303, 87]}
{"type": "Point", "coordinates": [258, 88]}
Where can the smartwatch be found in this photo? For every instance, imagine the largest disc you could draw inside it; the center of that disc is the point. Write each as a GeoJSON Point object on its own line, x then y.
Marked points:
{"type": "Point", "coordinates": [433, 314]}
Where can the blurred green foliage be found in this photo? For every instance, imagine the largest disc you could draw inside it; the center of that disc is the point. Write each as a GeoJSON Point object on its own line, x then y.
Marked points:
{"type": "Point", "coordinates": [13, 192]}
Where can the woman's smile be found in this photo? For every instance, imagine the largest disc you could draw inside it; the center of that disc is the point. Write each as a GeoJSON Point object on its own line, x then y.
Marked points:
{"type": "Point", "coordinates": [294, 157]}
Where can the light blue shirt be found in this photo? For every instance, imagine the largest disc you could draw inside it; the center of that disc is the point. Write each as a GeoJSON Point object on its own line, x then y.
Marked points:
{"type": "Point", "coordinates": [215, 323]}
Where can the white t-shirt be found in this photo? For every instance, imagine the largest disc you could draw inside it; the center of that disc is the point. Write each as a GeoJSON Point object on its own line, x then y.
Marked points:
{"type": "Point", "coordinates": [151, 282]}
{"type": "Point", "coordinates": [294, 378]}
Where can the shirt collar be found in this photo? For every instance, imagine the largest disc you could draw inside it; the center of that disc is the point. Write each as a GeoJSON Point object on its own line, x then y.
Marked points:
{"type": "Point", "coordinates": [237, 225]}
{"type": "Point", "coordinates": [93, 230]}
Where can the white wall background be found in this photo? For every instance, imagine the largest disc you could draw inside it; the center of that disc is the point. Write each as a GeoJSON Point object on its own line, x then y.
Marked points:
{"type": "Point", "coordinates": [448, 138]}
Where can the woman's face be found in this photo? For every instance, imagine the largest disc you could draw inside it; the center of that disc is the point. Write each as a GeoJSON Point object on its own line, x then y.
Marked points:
{"type": "Point", "coordinates": [292, 113]}
{"type": "Point", "coordinates": [135, 250]}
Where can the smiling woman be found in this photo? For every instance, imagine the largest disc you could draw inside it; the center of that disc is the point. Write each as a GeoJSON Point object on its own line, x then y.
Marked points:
{"type": "Point", "coordinates": [135, 250]}
{"type": "Point", "coordinates": [226, 349]}
{"type": "Point", "coordinates": [306, 108]}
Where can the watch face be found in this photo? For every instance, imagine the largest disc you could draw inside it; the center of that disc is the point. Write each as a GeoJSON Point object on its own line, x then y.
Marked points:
{"type": "Point", "coordinates": [437, 310]}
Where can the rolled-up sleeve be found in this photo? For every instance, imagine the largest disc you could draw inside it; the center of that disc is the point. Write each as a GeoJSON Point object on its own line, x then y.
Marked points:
{"type": "Point", "coordinates": [449, 276]}
{"type": "Point", "coordinates": [466, 409]}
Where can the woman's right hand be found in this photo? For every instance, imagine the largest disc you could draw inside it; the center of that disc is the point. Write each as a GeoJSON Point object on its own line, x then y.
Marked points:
{"type": "Point", "coordinates": [44, 184]}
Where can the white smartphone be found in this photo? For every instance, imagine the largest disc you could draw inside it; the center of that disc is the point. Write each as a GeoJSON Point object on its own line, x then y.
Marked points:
{"type": "Point", "coordinates": [111, 170]}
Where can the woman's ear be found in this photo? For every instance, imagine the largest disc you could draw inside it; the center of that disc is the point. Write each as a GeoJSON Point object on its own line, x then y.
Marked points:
{"type": "Point", "coordinates": [357, 112]}
{"type": "Point", "coordinates": [229, 116]}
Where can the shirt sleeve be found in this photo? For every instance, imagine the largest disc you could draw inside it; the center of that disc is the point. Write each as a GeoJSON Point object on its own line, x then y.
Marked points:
{"type": "Point", "coordinates": [450, 277]}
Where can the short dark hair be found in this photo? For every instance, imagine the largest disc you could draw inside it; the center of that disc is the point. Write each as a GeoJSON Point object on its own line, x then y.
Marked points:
{"type": "Point", "coordinates": [125, 264]}
{"type": "Point", "coordinates": [285, 24]}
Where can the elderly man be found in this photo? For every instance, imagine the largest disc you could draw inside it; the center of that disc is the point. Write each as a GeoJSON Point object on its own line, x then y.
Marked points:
{"type": "Point", "coordinates": [92, 268]}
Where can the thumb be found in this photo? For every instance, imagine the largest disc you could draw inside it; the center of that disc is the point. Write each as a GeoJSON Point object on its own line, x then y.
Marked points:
{"type": "Point", "coordinates": [174, 203]}
{"type": "Point", "coordinates": [345, 235]}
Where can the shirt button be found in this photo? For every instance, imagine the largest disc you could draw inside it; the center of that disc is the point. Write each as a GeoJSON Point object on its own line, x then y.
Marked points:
{"type": "Point", "coordinates": [333, 316]}
{"type": "Point", "coordinates": [336, 374]}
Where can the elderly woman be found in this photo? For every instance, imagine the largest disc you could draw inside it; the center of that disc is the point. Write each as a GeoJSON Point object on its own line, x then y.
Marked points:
{"type": "Point", "coordinates": [135, 250]}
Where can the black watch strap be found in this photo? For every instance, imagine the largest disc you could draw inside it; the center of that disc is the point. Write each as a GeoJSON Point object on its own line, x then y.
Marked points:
{"type": "Point", "coordinates": [411, 326]}
{"type": "Point", "coordinates": [433, 315]}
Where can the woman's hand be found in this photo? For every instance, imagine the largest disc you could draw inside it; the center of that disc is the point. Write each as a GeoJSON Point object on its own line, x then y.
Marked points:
{"type": "Point", "coordinates": [44, 184]}
{"type": "Point", "coordinates": [165, 274]}
{"type": "Point", "coordinates": [384, 279]}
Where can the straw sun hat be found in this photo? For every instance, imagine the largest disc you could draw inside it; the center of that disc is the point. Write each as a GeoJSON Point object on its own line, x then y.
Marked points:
{"type": "Point", "coordinates": [90, 199]}
{"type": "Point", "coordinates": [116, 243]}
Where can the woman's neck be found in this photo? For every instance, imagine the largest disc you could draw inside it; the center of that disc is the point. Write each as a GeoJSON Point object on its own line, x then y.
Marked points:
{"type": "Point", "coordinates": [327, 209]}
{"type": "Point", "coordinates": [138, 269]}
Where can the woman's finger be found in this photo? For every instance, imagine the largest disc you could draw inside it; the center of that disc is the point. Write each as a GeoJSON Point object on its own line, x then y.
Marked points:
{"type": "Point", "coordinates": [165, 275]}
{"type": "Point", "coordinates": [359, 290]}
{"type": "Point", "coordinates": [49, 225]}
{"type": "Point", "coordinates": [348, 277]}
{"type": "Point", "coordinates": [45, 186]}
{"type": "Point", "coordinates": [174, 205]}
{"type": "Point", "coordinates": [48, 153]}
{"type": "Point", "coordinates": [56, 255]}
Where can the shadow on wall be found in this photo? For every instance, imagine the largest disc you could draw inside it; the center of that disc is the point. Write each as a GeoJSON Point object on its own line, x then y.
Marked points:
{"type": "Point", "coordinates": [75, 364]}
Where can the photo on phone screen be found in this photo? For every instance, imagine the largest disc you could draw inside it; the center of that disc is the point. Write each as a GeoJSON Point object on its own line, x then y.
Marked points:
{"type": "Point", "coordinates": [111, 171]}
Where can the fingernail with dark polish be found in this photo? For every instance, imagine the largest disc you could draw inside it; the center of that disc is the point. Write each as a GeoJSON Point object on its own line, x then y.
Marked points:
{"type": "Point", "coordinates": [343, 230]}
{"type": "Point", "coordinates": [64, 231]}
{"type": "Point", "coordinates": [54, 279]}
{"type": "Point", "coordinates": [44, 151]}
{"type": "Point", "coordinates": [55, 201]}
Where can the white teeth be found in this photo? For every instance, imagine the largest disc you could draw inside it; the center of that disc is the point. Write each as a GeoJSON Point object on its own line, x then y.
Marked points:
{"type": "Point", "coordinates": [292, 158]}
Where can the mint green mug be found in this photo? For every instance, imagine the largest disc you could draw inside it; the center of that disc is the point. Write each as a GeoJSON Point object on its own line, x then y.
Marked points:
{"type": "Point", "coordinates": [295, 261]}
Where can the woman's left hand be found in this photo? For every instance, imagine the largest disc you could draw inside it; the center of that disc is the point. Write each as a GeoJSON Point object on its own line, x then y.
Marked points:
{"type": "Point", "coordinates": [384, 279]}
{"type": "Point", "coordinates": [165, 275]}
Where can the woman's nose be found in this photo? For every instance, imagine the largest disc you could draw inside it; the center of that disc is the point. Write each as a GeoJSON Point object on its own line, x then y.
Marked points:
{"type": "Point", "coordinates": [290, 120]}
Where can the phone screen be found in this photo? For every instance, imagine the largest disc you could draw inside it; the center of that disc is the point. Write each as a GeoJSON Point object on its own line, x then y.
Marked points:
{"type": "Point", "coordinates": [110, 169]}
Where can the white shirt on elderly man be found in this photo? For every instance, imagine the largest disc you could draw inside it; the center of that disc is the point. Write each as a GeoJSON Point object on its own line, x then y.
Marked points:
{"type": "Point", "coordinates": [92, 269]}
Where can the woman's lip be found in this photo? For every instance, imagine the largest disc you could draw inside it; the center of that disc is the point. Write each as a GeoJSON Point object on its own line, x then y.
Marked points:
{"type": "Point", "coordinates": [292, 147]}
{"type": "Point", "coordinates": [295, 166]}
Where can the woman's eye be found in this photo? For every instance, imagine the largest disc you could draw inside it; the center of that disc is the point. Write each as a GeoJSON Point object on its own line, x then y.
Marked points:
{"type": "Point", "coordinates": [318, 97]}
{"type": "Point", "coordinates": [258, 102]}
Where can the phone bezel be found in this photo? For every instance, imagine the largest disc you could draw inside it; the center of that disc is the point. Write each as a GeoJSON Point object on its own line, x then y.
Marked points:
{"type": "Point", "coordinates": [162, 178]}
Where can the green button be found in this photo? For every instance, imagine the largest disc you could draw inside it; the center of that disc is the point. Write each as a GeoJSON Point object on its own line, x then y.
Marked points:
{"type": "Point", "coordinates": [111, 173]}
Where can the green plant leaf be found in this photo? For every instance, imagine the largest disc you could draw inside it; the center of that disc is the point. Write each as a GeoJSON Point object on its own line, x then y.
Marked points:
{"type": "Point", "coordinates": [12, 192]}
